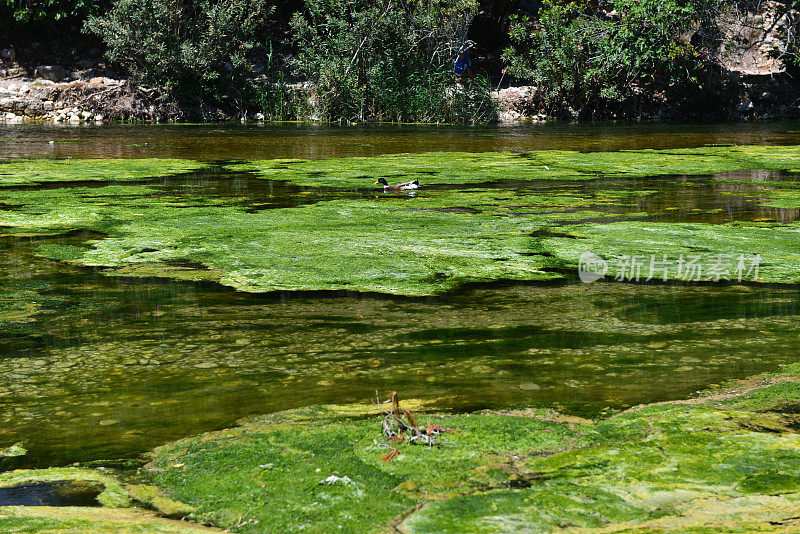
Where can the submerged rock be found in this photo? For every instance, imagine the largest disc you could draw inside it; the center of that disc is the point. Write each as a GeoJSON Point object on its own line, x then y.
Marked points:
{"type": "Point", "coordinates": [14, 450]}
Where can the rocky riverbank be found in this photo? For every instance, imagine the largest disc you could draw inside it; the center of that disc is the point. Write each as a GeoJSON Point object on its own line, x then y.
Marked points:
{"type": "Point", "coordinates": [88, 91]}
{"type": "Point", "coordinates": [100, 98]}
{"type": "Point", "coordinates": [92, 91]}
{"type": "Point", "coordinates": [754, 97]}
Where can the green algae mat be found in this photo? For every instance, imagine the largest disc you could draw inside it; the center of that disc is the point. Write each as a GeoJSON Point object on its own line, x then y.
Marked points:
{"type": "Point", "coordinates": [725, 461]}
{"type": "Point", "coordinates": [728, 460]}
{"type": "Point", "coordinates": [74, 520]}
{"type": "Point", "coordinates": [263, 226]}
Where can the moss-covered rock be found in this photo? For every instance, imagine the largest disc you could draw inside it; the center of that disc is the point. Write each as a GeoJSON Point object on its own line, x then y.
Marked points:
{"type": "Point", "coordinates": [153, 497]}
{"type": "Point", "coordinates": [79, 520]}
{"type": "Point", "coordinates": [12, 451]}
{"type": "Point", "coordinates": [665, 466]}
{"type": "Point", "coordinates": [113, 495]}
{"type": "Point", "coordinates": [116, 515]}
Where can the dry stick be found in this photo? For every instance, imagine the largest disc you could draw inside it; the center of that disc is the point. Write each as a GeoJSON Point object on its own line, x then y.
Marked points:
{"type": "Point", "coordinates": [394, 453]}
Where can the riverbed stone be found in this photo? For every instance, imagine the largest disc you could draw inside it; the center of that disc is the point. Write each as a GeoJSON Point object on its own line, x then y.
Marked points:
{"type": "Point", "coordinates": [85, 63]}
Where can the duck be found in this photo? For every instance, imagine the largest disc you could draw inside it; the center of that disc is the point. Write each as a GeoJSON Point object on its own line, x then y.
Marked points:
{"type": "Point", "coordinates": [405, 186]}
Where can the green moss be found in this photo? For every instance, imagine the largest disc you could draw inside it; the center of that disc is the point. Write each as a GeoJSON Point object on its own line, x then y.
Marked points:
{"type": "Point", "coordinates": [781, 397]}
{"type": "Point", "coordinates": [429, 169]}
{"type": "Point", "coordinates": [29, 172]}
{"type": "Point", "coordinates": [790, 369]}
{"type": "Point", "coordinates": [546, 509]}
{"type": "Point", "coordinates": [470, 168]}
{"type": "Point", "coordinates": [14, 450]}
{"type": "Point", "coordinates": [777, 245]}
{"type": "Point", "coordinates": [422, 244]}
{"type": "Point", "coordinates": [274, 468]}
{"type": "Point", "coordinates": [397, 250]}
{"type": "Point", "coordinates": [152, 496]}
{"type": "Point", "coordinates": [660, 466]}
{"type": "Point", "coordinates": [782, 198]}
{"type": "Point", "coordinates": [68, 520]}
{"type": "Point", "coordinates": [113, 495]}
{"type": "Point", "coordinates": [18, 305]}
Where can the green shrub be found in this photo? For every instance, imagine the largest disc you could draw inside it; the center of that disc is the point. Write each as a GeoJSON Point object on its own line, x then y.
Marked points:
{"type": "Point", "coordinates": [27, 11]}
{"type": "Point", "coordinates": [578, 57]}
{"type": "Point", "coordinates": [388, 60]}
{"type": "Point", "coordinates": [198, 50]}
{"type": "Point", "coordinates": [52, 21]}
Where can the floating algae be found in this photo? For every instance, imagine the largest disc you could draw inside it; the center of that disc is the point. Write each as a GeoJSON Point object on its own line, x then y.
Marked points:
{"type": "Point", "coordinates": [471, 168]}
{"type": "Point", "coordinates": [439, 239]}
{"type": "Point", "coordinates": [42, 171]}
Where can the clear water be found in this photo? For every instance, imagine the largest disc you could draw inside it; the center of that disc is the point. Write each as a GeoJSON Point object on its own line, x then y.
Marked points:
{"type": "Point", "coordinates": [66, 493]}
{"type": "Point", "coordinates": [94, 367]}
{"type": "Point", "coordinates": [312, 141]}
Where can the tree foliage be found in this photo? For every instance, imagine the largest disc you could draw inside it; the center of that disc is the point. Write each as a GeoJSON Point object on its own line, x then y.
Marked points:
{"type": "Point", "coordinates": [390, 60]}
{"type": "Point", "coordinates": [27, 11]}
{"type": "Point", "coordinates": [580, 56]}
{"type": "Point", "coordinates": [199, 49]}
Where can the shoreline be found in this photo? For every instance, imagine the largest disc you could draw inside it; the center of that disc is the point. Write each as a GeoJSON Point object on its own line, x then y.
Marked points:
{"type": "Point", "coordinates": [100, 99]}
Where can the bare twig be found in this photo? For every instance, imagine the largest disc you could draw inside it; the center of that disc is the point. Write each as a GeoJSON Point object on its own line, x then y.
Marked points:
{"type": "Point", "coordinates": [400, 425]}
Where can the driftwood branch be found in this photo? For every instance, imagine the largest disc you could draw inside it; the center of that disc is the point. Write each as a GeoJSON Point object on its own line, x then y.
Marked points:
{"type": "Point", "coordinates": [400, 425]}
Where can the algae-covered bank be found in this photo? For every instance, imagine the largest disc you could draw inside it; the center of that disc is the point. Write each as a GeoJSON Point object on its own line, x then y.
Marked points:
{"type": "Point", "coordinates": [727, 460]}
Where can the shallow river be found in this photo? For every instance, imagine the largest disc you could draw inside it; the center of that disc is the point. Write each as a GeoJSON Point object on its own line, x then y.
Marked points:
{"type": "Point", "coordinates": [110, 367]}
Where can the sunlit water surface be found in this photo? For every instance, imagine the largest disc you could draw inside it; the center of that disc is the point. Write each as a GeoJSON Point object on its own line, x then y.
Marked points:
{"type": "Point", "coordinates": [214, 142]}
{"type": "Point", "coordinates": [108, 367]}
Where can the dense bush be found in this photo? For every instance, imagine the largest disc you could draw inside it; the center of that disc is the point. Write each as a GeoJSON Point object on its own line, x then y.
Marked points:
{"type": "Point", "coordinates": [389, 60]}
{"type": "Point", "coordinates": [34, 20]}
{"type": "Point", "coordinates": [583, 57]}
{"type": "Point", "coordinates": [25, 11]}
{"type": "Point", "coordinates": [198, 49]}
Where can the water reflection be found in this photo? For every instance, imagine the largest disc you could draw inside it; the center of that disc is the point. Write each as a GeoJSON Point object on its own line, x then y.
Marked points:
{"type": "Point", "coordinates": [214, 142]}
